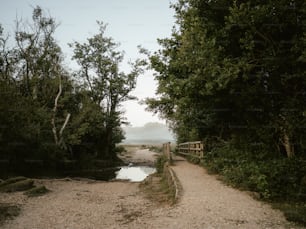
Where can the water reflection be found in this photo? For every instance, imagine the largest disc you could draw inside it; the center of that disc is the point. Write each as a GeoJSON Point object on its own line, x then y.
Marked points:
{"type": "Point", "coordinates": [136, 174]}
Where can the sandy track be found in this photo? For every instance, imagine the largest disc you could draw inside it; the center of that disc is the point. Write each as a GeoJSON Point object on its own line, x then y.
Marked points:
{"type": "Point", "coordinates": [205, 203]}
{"type": "Point", "coordinates": [79, 204]}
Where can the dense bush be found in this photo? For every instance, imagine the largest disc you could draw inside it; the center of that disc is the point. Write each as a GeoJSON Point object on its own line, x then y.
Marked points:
{"type": "Point", "coordinates": [274, 179]}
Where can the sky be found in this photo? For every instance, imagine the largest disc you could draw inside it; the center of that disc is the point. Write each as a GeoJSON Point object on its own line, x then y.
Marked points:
{"type": "Point", "coordinates": [130, 23]}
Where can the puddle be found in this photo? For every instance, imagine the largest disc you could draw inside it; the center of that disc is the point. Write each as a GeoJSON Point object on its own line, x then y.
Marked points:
{"type": "Point", "coordinates": [134, 173]}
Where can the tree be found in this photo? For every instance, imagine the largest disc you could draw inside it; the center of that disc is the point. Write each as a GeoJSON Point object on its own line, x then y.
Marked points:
{"type": "Point", "coordinates": [31, 74]}
{"type": "Point", "coordinates": [47, 114]}
{"type": "Point", "coordinates": [107, 87]}
{"type": "Point", "coordinates": [234, 70]}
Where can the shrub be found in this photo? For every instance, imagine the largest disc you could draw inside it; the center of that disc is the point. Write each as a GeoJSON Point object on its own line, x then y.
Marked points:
{"type": "Point", "coordinates": [8, 211]}
{"type": "Point", "coordinates": [37, 191]}
{"type": "Point", "coordinates": [159, 163]}
{"type": "Point", "coordinates": [278, 178]}
{"type": "Point", "coordinates": [17, 186]}
{"type": "Point", "coordinates": [12, 180]}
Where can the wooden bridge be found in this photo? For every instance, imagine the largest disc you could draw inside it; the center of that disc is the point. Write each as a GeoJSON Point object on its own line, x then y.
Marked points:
{"type": "Point", "coordinates": [194, 149]}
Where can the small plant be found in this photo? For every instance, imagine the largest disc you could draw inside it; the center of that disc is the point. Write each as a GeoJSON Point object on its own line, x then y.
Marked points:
{"type": "Point", "coordinates": [156, 149]}
{"type": "Point", "coordinates": [293, 211]}
{"type": "Point", "coordinates": [21, 185]}
{"type": "Point", "coordinates": [193, 159]}
{"type": "Point", "coordinates": [8, 211]}
{"type": "Point", "coordinates": [37, 191]}
{"type": "Point", "coordinates": [12, 180]}
{"type": "Point", "coordinates": [160, 163]}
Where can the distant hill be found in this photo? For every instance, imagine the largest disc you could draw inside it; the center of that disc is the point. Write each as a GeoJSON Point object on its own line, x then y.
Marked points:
{"type": "Point", "coordinates": [150, 133]}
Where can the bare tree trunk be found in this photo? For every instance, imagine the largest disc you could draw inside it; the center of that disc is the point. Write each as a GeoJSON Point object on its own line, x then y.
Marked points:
{"type": "Point", "coordinates": [58, 138]}
{"type": "Point", "coordinates": [286, 138]}
{"type": "Point", "coordinates": [288, 147]}
{"type": "Point", "coordinates": [63, 128]}
{"type": "Point", "coordinates": [55, 110]}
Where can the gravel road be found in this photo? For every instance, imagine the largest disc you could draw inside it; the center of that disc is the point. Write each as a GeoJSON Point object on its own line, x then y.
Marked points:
{"type": "Point", "coordinates": [204, 203]}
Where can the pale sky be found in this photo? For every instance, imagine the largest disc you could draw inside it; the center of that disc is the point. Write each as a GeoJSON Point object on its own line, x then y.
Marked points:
{"type": "Point", "coordinates": [130, 22]}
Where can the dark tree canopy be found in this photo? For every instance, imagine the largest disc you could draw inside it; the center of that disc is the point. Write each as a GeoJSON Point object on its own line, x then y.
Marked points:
{"type": "Point", "coordinates": [235, 71]}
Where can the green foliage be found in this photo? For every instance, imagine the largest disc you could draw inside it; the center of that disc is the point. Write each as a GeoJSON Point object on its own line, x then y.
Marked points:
{"type": "Point", "coordinates": [17, 186]}
{"type": "Point", "coordinates": [8, 211]}
{"type": "Point", "coordinates": [273, 179]}
{"type": "Point", "coordinates": [160, 163]}
{"type": "Point", "coordinates": [106, 87]}
{"type": "Point", "coordinates": [194, 160]}
{"type": "Point", "coordinates": [49, 115]}
{"type": "Point", "coordinates": [157, 149]}
{"type": "Point", "coordinates": [280, 180]}
{"type": "Point", "coordinates": [294, 212]}
{"type": "Point", "coordinates": [37, 191]}
{"type": "Point", "coordinates": [236, 71]}
{"type": "Point", "coordinates": [12, 180]}
{"type": "Point", "coordinates": [120, 149]}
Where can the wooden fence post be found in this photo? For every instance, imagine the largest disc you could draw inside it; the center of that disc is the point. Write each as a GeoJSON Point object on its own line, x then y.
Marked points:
{"type": "Point", "coordinates": [167, 151]}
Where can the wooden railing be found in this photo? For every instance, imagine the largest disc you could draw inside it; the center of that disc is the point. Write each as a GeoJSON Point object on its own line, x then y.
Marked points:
{"type": "Point", "coordinates": [194, 149]}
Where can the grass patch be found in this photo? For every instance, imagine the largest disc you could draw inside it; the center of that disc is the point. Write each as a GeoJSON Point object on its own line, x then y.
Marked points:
{"type": "Point", "coordinates": [12, 180]}
{"type": "Point", "coordinates": [157, 187]}
{"type": "Point", "coordinates": [157, 190]}
{"type": "Point", "coordinates": [160, 163]}
{"type": "Point", "coordinates": [20, 185]}
{"type": "Point", "coordinates": [295, 212]}
{"type": "Point", "coordinates": [8, 211]}
{"type": "Point", "coordinates": [156, 148]}
{"type": "Point", "coordinates": [37, 191]}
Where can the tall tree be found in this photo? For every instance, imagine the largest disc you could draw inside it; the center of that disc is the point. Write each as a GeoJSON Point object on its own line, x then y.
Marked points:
{"type": "Point", "coordinates": [34, 90]}
{"type": "Point", "coordinates": [235, 70]}
{"type": "Point", "coordinates": [107, 86]}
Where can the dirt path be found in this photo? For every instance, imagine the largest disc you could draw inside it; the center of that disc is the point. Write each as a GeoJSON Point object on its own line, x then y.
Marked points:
{"type": "Point", "coordinates": [205, 203]}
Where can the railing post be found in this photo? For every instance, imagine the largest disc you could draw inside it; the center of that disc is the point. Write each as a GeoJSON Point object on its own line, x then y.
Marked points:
{"type": "Point", "coordinates": [167, 151]}
{"type": "Point", "coordinates": [202, 150]}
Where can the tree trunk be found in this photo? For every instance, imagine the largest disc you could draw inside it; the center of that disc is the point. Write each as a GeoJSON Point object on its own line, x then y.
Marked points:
{"type": "Point", "coordinates": [58, 137]}
{"type": "Point", "coordinates": [63, 128]}
{"type": "Point", "coordinates": [55, 110]}
{"type": "Point", "coordinates": [287, 145]}
{"type": "Point", "coordinates": [286, 138]}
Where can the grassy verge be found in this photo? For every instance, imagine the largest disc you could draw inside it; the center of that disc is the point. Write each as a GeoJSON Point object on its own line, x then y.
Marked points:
{"type": "Point", "coordinates": [37, 191]}
{"type": "Point", "coordinates": [295, 212]}
{"type": "Point", "coordinates": [157, 187]}
{"type": "Point", "coordinates": [157, 190]}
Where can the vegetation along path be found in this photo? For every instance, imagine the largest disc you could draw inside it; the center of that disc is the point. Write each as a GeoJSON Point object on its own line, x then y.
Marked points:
{"type": "Point", "coordinates": [204, 203]}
